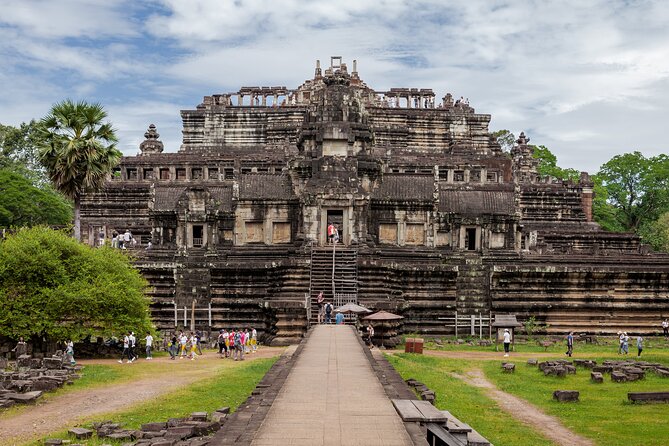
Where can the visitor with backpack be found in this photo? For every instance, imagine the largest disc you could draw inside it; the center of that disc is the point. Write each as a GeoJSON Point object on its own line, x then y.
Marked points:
{"type": "Point", "coordinates": [173, 348]}
{"type": "Point", "coordinates": [238, 346]}
{"type": "Point", "coordinates": [570, 344]}
{"type": "Point", "coordinates": [222, 334]}
{"type": "Point", "coordinates": [328, 312]}
{"type": "Point", "coordinates": [149, 345]}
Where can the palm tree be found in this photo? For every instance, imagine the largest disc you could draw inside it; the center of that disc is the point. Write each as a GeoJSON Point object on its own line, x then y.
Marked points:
{"type": "Point", "coordinates": [78, 150]}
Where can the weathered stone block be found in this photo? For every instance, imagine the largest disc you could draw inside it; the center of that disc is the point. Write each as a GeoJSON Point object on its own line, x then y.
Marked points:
{"type": "Point", "coordinates": [24, 361]}
{"type": "Point", "coordinates": [566, 395]}
{"type": "Point", "coordinates": [53, 442]}
{"type": "Point", "coordinates": [618, 377]}
{"type": "Point", "coordinates": [180, 432]}
{"type": "Point", "coordinates": [52, 363]}
{"type": "Point", "coordinates": [596, 377]}
{"type": "Point", "coordinates": [199, 416]}
{"type": "Point", "coordinates": [26, 398]}
{"type": "Point", "coordinates": [532, 362]}
{"type": "Point", "coordinates": [80, 432]}
{"type": "Point", "coordinates": [154, 427]}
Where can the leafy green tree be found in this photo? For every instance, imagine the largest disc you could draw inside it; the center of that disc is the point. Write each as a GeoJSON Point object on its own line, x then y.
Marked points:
{"type": "Point", "coordinates": [78, 150]}
{"type": "Point", "coordinates": [636, 187]}
{"type": "Point", "coordinates": [52, 285]}
{"type": "Point", "coordinates": [19, 150]}
{"type": "Point", "coordinates": [23, 204]}
{"type": "Point", "coordinates": [656, 233]}
{"type": "Point", "coordinates": [548, 165]}
{"type": "Point", "coordinates": [505, 138]}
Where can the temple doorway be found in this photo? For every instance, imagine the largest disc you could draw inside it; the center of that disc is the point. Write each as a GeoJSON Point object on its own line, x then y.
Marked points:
{"type": "Point", "coordinates": [336, 218]}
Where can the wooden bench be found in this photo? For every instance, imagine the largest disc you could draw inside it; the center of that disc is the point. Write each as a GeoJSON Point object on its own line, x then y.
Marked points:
{"type": "Point", "coordinates": [421, 411]}
{"type": "Point", "coordinates": [648, 397]}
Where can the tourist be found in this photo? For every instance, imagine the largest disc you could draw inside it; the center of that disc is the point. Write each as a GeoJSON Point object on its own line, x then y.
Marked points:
{"type": "Point", "coordinates": [69, 352]}
{"type": "Point", "coordinates": [639, 345]}
{"type": "Point", "coordinates": [193, 346]}
{"type": "Point", "coordinates": [507, 341]}
{"type": "Point", "coordinates": [183, 341]}
{"type": "Point", "coordinates": [222, 334]}
{"type": "Point", "coordinates": [21, 348]}
{"type": "Point", "coordinates": [339, 319]}
{"type": "Point", "coordinates": [149, 344]}
{"type": "Point", "coordinates": [114, 240]}
{"type": "Point", "coordinates": [239, 347]}
{"type": "Point", "coordinates": [131, 346]}
{"type": "Point", "coordinates": [336, 235]}
{"type": "Point", "coordinates": [198, 339]}
{"type": "Point", "coordinates": [625, 346]}
{"type": "Point", "coordinates": [231, 343]}
{"type": "Point", "coordinates": [370, 334]}
{"type": "Point", "coordinates": [247, 341]}
{"type": "Point", "coordinates": [620, 342]}
{"type": "Point", "coordinates": [254, 340]}
{"type": "Point", "coordinates": [320, 300]}
{"type": "Point", "coordinates": [126, 348]}
{"type": "Point", "coordinates": [570, 344]}
{"type": "Point", "coordinates": [665, 327]}
{"type": "Point", "coordinates": [328, 312]}
{"type": "Point", "coordinates": [173, 348]}
{"type": "Point", "coordinates": [331, 233]}
{"type": "Point", "coordinates": [127, 239]}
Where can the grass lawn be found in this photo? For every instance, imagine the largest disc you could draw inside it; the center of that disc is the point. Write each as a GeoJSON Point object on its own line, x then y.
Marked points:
{"type": "Point", "coordinates": [232, 384]}
{"type": "Point", "coordinates": [603, 413]}
{"type": "Point", "coordinates": [467, 403]}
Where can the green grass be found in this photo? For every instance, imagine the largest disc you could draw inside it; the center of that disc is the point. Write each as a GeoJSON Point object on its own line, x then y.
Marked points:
{"type": "Point", "coordinates": [467, 403]}
{"type": "Point", "coordinates": [232, 384]}
{"type": "Point", "coordinates": [603, 413]}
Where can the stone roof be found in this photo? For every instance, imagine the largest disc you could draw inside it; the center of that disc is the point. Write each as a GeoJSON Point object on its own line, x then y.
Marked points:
{"type": "Point", "coordinates": [405, 187]}
{"type": "Point", "coordinates": [476, 202]}
{"type": "Point", "coordinates": [166, 198]}
{"type": "Point", "coordinates": [255, 186]}
{"type": "Point", "coordinates": [222, 195]}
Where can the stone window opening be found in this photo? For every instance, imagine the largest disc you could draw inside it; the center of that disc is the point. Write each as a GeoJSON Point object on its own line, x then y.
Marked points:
{"type": "Point", "coordinates": [263, 169]}
{"type": "Point", "coordinates": [131, 173]}
{"type": "Point", "coordinates": [459, 176]}
{"type": "Point", "coordinates": [181, 173]}
{"type": "Point", "coordinates": [165, 174]}
{"type": "Point", "coordinates": [491, 177]}
{"type": "Point", "coordinates": [229, 173]}
{"type": "Point", "coordinates": [198, 232]}
{"type": "Point", "coordinates": [148, 174]}
{"type": "Point", "coordinates": [196, 173]}
{"type": "Point", "coordinates": [213, 173]}
{"type": "Point", "coordinates": [475, 176]}
{"type": "Point", "coordinates": [470, 239]}
{"type": "Point", "coordinates": [246, 170]}
{"type": "Point", "coordinates": [116, 173]}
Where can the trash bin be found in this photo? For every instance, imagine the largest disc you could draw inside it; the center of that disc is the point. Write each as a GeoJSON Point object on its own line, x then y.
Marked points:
{"type": "Point", "coordinates": [409, 345]}
{"type": "Point", "coordinates": [418, 345]}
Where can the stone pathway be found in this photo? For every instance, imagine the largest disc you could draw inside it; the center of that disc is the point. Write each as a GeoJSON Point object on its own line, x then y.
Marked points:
{"type": "Point", "coordinates": [332, 397]}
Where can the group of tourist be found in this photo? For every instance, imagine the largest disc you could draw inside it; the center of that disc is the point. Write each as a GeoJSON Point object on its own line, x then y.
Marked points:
{"type": "Point", "coordinates": [236, 343]}
{"type": "Point", "coordinates": [129, 345]}
{"type": "Point", "coordinates": [120, 241]}
{"type": "Point", "coordinates": [185, 345]}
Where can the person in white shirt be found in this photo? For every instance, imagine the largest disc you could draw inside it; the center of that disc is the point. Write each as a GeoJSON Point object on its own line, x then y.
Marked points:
{"type": "Point", "coordinates": [149, 344]}
{"type": "Point", "coordinates": [507, 341]}
{"type": "Point", "coordinates": [131, 346]}
{"type": "Point", "coordinates": [183, 340]}
{"type": "Point", "coordinates": [665, 327]}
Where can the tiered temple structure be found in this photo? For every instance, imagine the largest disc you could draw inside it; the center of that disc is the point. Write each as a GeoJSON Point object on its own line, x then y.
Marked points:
{"type": "Point", "coordinates": [434, 219]}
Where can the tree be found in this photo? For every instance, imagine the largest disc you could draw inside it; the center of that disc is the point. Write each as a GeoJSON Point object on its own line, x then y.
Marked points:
{"type": "Point", "coordinates": [23, 204]}
{"type": "Point", "coordinates": [548, 165]}
{"type": "Point", "coordinates": [52, 285]}
{"type": "Point", "coordinates": [636, 187]}
{"type": "Point", "coordinates": [505, 138]}
{"type": "Point", "coordinates": [656, 233]}
{"type": "Point", "coordinates": [19, 150]}
{"type": "Point", "coordinates": [77, 150]}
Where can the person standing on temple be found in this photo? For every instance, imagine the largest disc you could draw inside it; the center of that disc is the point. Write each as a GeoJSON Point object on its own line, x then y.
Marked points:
{"type": "Point", "coordinates": [331, 232]}
{"type": "Point", "coordinates": [320, 300]}
{"type": "Point", "coordinates": [507, 342]}
{"type": "Point", "coordinates": [665, 327]}
{"type": "Point", "coordinates": [21, 348]}
{"type": "Point", "coordinates": [328, 312]}
{"type": "Point", "coordinates": [570, 344]}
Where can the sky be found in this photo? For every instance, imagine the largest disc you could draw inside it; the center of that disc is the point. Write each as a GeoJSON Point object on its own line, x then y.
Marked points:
{"type": "Point", "coordinates": [587, 79]}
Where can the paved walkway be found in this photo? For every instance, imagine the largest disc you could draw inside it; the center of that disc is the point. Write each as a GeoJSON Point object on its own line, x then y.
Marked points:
{"type": "Point", "coordinates": [332, 397]}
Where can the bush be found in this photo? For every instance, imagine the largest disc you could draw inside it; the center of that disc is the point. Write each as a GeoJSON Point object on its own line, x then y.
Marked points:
{"type": "Point", "coordinates": [52, 285]}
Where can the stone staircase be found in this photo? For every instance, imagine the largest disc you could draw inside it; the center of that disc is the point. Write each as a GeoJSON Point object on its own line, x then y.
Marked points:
{"type": "Point", "coordinates": [472, 287]}
{"type": "Point", "coordinates": [321, 278]}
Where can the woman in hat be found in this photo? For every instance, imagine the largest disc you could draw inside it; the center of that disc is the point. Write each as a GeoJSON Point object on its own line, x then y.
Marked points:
{"type": "Point", "coordinates": [507, 341]}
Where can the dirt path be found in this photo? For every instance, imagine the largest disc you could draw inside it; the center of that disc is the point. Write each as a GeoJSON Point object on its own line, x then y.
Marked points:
{"type": "Point", "coordinates": [522, 410]}
{"type": "Point", "coordinates": [64, 411]}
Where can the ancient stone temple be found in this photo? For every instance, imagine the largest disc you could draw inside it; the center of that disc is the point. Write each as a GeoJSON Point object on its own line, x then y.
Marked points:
{"type": "Point", "coordinates": [433, 218]}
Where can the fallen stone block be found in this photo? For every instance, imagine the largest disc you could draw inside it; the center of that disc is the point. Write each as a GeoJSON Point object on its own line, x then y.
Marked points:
{"type": "Point", "coordinates": [532, 362]}
{"type": "Point", "coordinates": [428, 395]}
{"type": "Point", "coordinates": [121, 435]}
{"type": "Point", "coordinates": [206, 428]}
{"type": "Point", "coordinates": [80, 432]}
{"type": "Point", "coordinates": [173, 422]}
{"type": "Point", "coordinates": [509, 367]}
{"type": "Point", "coordinates": [663, 373]}
{"type": "Point", "coordinates": [199, 416]}
{"type": "Point", "coordinates": [26, 398]}
{"type": "Point", "coordinates": [53, 442]}
{"type": "Point", "coordinates": [180, 432]}
{"type": "Point", "coordinates": [154, 427]}
{"type": "Point", "coordinates": [219, 417]}
{"type": "Point", "coordinates": [164, 442]}
{"type": "Point", "coordinates": [618, 377]}
{"type": "Point", "coordinates": [23, 361]}
{"type": "Point", "coordinates": [571, 370]}
{"type": "Point", "coordinates": [596, 377]}
{"type": "Point", "coordinates": [52, 363]}
{"type": "Point", "coordinates": [223, 410]}
{"type": "Point", "coordinates": [564, 396]}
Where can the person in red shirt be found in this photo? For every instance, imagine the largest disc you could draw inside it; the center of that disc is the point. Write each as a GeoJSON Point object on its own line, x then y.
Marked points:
{"type": "Point", "coordinates": [331, 233]}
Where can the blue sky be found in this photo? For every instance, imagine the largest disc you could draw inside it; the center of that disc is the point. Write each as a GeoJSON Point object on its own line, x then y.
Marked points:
{"type": "Point", "coordinates": [588, 79]}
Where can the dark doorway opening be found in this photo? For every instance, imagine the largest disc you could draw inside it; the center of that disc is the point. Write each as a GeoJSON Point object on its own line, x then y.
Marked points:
{"type": "Point", "coordinates": [470, 239]}
{"type": "Point", "coordinates": [336, 218]}
{"type": "Point", "coordinates": [197, 235]}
